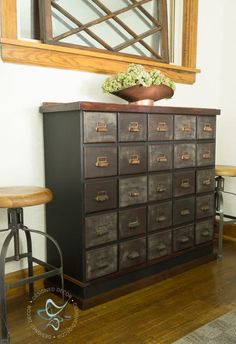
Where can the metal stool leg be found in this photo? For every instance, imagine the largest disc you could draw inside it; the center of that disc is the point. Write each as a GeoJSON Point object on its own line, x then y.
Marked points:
{"type": "Point", "coordinates": [30, 262]}
{"type": "Point", "coordinates": [220, 212]}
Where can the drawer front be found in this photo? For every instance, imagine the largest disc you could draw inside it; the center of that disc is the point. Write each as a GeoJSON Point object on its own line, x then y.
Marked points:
{"type": "Point", "coordinates": [184, 183]}
{"type": "Point", "coordinates": [205, 154]}
{"type": "Point", "coordinates": [183, 238]}
{"type": "Point", "coordinates": [132, 159]}
{"type": "Point", "coordinates": [132, 252]}
{"type": "Point", "coordinates": [132, 191]}
{"type": "Point", "coordinates": [100, 229]}
{"type": "Point", "coordinates": [159, 245]}
{"type": "Point", "coordinates": [160, 157]}
{"type": "Point", "coordinates": [160, 127]}
{"type": "Point", "coordinates": [132, 127]}
{"type": "Point", "coordinates": [206, 180]}
{"type": "Point", "coordinates": [184, 155]}
{"type": "Point", "coordinates": [101, 262]}
{"type": "Point", "coordinates": [206, 127]}
{"type": "Point", "coordinates": [100, 195]}
{"type": "Point", "coordinates": [205, 206]}
{"type": "Point", "coordinates": [159, 186]}
{"type": "Point", "coordinates": [132, 222]}
{"type": "Point", "coordinates": [159, 216]}
{"type": "Point", "coordinates": [100, 127]}
{"type": "Point", "coordinates": [185, 127]}
{"type": "Point", "coordinates": [100, 161]}
{"type": "Point", "coordinates": [204, 231]}
{"type": "Point", "coordinates": [183, 210]}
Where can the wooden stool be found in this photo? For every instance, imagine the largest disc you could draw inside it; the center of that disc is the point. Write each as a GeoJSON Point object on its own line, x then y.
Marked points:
{"type": "Point", "coordinates": [222, 171]}
{"type": "Point", "coordinates": [14, 199]}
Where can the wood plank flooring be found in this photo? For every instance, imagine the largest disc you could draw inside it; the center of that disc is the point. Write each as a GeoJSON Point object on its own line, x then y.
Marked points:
{"type": "Point", "coordinates": [158, 314]}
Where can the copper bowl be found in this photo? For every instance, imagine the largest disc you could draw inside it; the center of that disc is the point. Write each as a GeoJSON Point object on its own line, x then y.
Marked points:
{"type": "Point", "coordinates": [145, 95]}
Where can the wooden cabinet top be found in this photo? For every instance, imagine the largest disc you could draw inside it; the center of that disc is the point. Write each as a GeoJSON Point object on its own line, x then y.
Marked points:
{"type": "Point", "coordinates": [110, 107]}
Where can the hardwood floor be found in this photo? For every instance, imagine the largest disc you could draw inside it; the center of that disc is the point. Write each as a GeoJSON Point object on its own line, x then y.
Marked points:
{"type": "Point", "coordinates": [158, 314]}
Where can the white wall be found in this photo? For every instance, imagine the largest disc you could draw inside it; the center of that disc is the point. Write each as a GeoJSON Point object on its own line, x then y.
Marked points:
{"type": "Point", "coordinates": [24, 88]}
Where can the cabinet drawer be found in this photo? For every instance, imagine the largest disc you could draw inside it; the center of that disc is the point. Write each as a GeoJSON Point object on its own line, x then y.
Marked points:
{"type": "Point", "coordinates": [184, 183]}
{"type": "Point", "coordinates": [100, 229]}
{"type": "Point", "coordinates": [100, 127]}
{"type": "Point", "coordinates": [159, 216]}
{"type": "Point", "coordinates": [185, 127]}
{"type": "Point", "coordinates": [160, 127]}
{"type": "Point", "coordinates": [204, 231]}
{"type": "Point", "coordinates": [132, 159]}
{"type": "Point", "coordinates": [206, 127]}
{"type": "Point", "coordinates": [100, 195]}
{"type": "Point", "coordinates": [101, 262]}
{"type": "Point", "coordinates": [160, 157]}
{"type": "Point", "coordinates": [132, 190]}
{"type": "Point", "coordinates": [132, 127]}
{"type": "Point", "coordinates": [132, 252]}
{"type": "Point", "coordinates": [183, 238]}
{"type": "Point", "coordinates": [100, 161]}
{"type": "Point", "coordinates": [183, 210]}
{"type": "Point", "coordinates": [159, 245]}
{"type": "Point", "coordinates": [205, 206]}
{"type": "Point", "coordinates": [205, 154]}
{"type": "Point", "coordinates": [184, 155]}
{"type": "Point", "coordinates": [132, 222]}
{"type": "Point", "coordinates": [159, 186]}
{"type": "Point", "coordinates": [206, 180]}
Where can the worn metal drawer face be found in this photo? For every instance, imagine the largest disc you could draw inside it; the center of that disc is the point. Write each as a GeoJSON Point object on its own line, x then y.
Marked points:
{"type": "Point", "coordinates": [184, 155]}
{"type": "Point", "coordinates": [184, 183]}
{"type": "Point", "coordinates": [132, 159]}
{"type": "Point", "coordinates": [132, 222]}
{"type": "Point", "coordinates": [100, 195]}
{"type": "Point", "coordinates": [183, 238]}
{"type": "Point", "coordinates": [159, 216]}
{"type": "Point", "coordinates": [100, 127]}
{"type": "Point", "coordinates": [206, 180]}
{"type": "Point", "coordinates": [206, 127]}
{"type": "Point", "coordinates": [204, 231]}
{"type": "Point", "coordinates": [132, 252]}
{"type": "Point", "coordinates": [132, 127]}
{"type": "Point", "coordinates": [100, 161]}
{"type": "Point", "coordinates": [205, 206]}
{"type": "Point", "coordinates": [185, 127]}
{"type": "Point", "coordinates": [183, 210]}
{"type": "Point", "coordinates": [100, 229]}
{"type": "Point", "coordinates": [160, 127]}
{"type": "Point", "coordinates": [101, 262]}
{"type": "Point", "coordinates": [159, 245]}
{"type": "Point", "coordinates": [159, 186]}
{"type": "Point", "coordinates": [132, 191]}
{"type": "Point", "coordinates": [160, 157]}
{"type": "Point", "coordinates": [205, 154]}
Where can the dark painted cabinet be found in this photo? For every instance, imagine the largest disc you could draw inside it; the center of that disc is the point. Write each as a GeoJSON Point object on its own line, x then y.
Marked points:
{"type": "Point", "coordinates": [133, 190]}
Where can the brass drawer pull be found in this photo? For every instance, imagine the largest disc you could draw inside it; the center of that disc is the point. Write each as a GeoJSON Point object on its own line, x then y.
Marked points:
{"type": "Point", "coordinates": [206, 155]}
{"type": "Point", "coordinates": [162, 158]}
{"type": "Point", "coordinates": [160, 188]}
{"type": "Point", "coordinates": [184, 239]}
{"type": "Point", "coordinates": [134, 194]}
{"type": "Point", "coordinates": [185, 156]}
{"type": "Point", "coordinates": [133, 224]}
{"type": "Point", "coordinates": [185, 212]}
{"type": "Point", "coordinates": [133, 255]}
{"type": "Point", "coordinates": [134, 127]}
{"type": "Point", "coordinates": [205, 208]}
{"type": "Point", "coordinates": [134, 159]}
{"type": "Point", "coordinates": [206, 181]}
{"type": "Point", "coordinates": [101, 127]}
{"type": "Point", "coordinates": [102, 196]}
{"type": "Point", "coordinates": [185, 183]}
{"type": "Point", "coordinates": [102, 161]}
{"type": "Point", "coordinates": [207, 127]}
{"type": "Point", "coordinates": [103, 266]}
{"type": "Point", "coordinates": [161, 247]}
{"type": "Point", "coordinates": [205, 233]}
{"type": "Point", "coordinates": [161, 218]}
{"type": "Point", "coordinates": [186, 128]}
{"type": "Point", "coordinates": [102, 230]}
{"type": "Point", "coordinates": [162, 126]}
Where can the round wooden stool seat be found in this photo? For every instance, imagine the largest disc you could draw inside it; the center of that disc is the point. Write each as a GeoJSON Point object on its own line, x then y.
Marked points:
{"type": "Point", "coordinates": [24, 196]}
{"type": "Point", "coordinates": [225, 171]}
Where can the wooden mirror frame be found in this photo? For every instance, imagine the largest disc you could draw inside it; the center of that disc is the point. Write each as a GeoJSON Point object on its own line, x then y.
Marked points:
{"type": "Point", "coordinates": [36, 53]}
